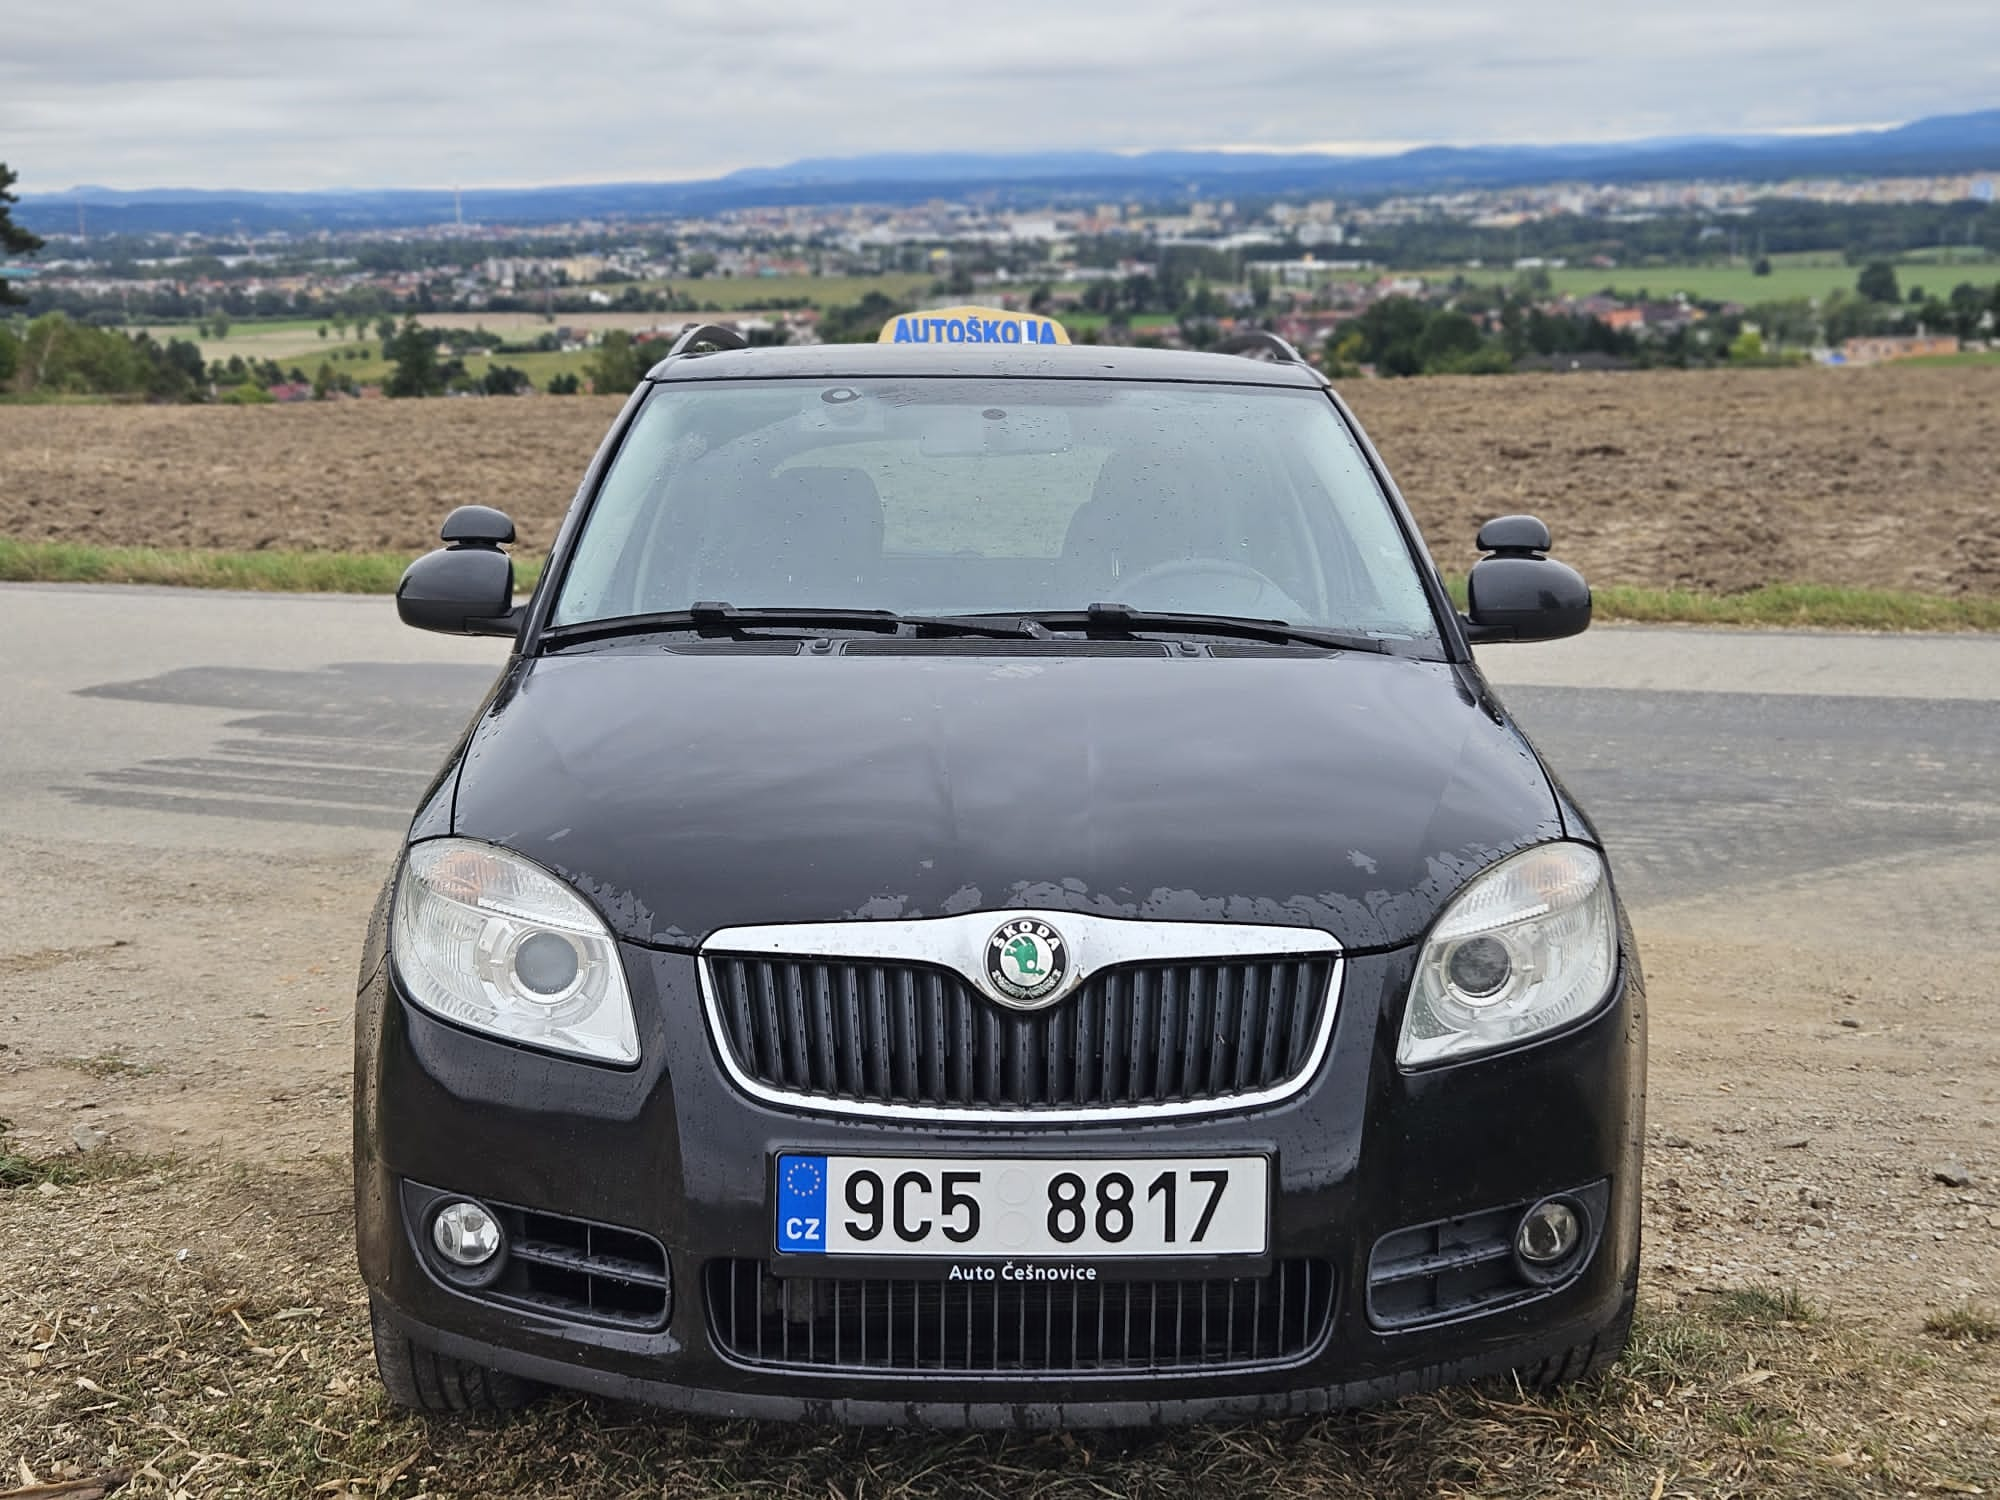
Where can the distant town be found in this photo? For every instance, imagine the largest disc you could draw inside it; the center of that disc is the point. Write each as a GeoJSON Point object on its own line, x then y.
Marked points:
{"type": "Point", "coordinates": [1562, 276]}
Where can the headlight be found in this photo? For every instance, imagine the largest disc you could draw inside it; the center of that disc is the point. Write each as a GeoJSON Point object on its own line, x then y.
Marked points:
{"type": "Point", "coordinates": [495, 942]}
{"type": "Point", "coordinates": [1529, 946]}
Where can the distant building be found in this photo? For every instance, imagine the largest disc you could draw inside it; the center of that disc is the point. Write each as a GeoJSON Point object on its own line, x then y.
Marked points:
{"type": "Point", "coordinates": [1881, 349]}
{"type": "Point", "coordinates": [1666, 317]}
{"type": "Point", "coordinates": [1307, 329]}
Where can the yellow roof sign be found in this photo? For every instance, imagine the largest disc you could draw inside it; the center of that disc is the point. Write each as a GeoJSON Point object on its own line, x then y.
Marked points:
{"type": "Point", "coordinates": [971, 325]}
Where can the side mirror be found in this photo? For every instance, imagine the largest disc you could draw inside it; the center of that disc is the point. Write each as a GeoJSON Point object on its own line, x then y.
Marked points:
{"type": "Point", "coordinates": [478, 526]}
{"type": "Point", "coordinates": [466, 587]}
{"type": "Point", "coordinates": [1515, 593]}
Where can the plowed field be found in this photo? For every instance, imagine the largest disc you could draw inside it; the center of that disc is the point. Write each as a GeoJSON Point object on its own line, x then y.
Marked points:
{"type": "Point", "coordinates": [1719, 480]}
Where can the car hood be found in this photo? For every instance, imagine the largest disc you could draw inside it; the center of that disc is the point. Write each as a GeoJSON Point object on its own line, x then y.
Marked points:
{"type": "Point", "coordinates": [685, 792]}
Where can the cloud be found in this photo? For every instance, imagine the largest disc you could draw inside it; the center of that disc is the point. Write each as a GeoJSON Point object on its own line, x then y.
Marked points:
{"type": "Point", "coordinates": [227, 93]}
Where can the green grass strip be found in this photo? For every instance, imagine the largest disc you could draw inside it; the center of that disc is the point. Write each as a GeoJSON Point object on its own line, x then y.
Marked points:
{"type": "Point", "coordinates": [1808, 605]}
{"type": "Point", "coordinates": [274, 571]}
{"type": "Point", "coordinates": [1815, 606]}
{"type": "Point", "coordinates": [1801, 604]}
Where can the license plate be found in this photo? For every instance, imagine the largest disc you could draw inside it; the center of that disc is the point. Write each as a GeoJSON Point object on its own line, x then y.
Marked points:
{"type": "Point", "coordinates": [1013, 1206]}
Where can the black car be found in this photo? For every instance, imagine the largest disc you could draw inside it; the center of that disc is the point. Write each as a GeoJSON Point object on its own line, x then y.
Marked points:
{"type": "Point", "coordinates": [991, 890]}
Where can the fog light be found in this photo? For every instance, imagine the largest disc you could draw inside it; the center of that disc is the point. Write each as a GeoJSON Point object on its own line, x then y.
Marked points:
{"type": "Point", "coordinates": [465, 1234]}
{"type": "Point", "coordinates": [1549, 1232]}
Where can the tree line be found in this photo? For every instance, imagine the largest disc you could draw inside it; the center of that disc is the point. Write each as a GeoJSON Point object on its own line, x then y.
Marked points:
{"type": "Point", "coordinates": [54, 356]}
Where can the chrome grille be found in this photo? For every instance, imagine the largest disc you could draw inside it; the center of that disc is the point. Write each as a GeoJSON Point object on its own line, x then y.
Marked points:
{"type": "Point", "coordinates": [1130, 1036]}
{"type": "Point", "coordinates": [942, 1328]}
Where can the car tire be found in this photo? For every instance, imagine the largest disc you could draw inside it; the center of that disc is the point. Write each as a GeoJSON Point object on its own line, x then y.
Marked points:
{"type": "Point", "coordinates": [425, 1380]}
{"type": "Point", "coordinates": [1592, 1357]}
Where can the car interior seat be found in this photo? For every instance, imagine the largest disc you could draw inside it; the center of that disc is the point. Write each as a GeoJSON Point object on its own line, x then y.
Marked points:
{"type": "Point", "coordinates": [1143, 511]}
{"type": "Point", "coordinates": [807, 535]}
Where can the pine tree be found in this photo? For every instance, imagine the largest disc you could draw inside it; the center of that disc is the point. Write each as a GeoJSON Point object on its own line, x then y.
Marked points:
{"type": "Point", "coordinates": [14, 240]}
{"type": "Point", "coordinates": [415, 356]}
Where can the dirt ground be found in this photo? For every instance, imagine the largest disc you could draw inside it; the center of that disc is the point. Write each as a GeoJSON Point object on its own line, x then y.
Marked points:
{"type": "Point", "coordinates": [1719, 480]}
{"type": "Point", "coordinates": [168, 1011]}
{"type": "Point", "coordinates": [177, 1294]}
{"type": "Point", "coordinates": [1822, 1054]}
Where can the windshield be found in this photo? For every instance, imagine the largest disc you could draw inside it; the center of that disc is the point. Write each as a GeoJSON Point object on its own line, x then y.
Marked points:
{"type": "Point", "coordinates": [974, 496]}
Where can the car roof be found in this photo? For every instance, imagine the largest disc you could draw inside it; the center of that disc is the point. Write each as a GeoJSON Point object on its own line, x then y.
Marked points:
{"type": "Point", "coordinates": [1010, 361]}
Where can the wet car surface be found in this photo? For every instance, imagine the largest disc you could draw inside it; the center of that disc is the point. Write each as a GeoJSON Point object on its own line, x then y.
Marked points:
{"type": "Point", "coordinates": [991, 891]}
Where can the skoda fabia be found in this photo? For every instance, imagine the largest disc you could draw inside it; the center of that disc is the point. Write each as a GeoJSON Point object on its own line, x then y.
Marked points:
{"type": "Point", "coordinates": [991, 890]}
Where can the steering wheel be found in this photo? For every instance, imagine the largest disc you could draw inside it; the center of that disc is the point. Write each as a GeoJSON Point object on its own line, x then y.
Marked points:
{"type": "Point", "coordinates": [1281, 604]}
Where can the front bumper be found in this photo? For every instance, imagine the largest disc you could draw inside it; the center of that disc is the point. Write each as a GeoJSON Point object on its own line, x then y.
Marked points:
{"type": "Point", "coordinates": [673, 1151]}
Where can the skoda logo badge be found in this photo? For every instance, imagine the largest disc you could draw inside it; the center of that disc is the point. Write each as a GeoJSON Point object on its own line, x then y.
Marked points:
{"type": "Point", "coordinates": [1026, 961]}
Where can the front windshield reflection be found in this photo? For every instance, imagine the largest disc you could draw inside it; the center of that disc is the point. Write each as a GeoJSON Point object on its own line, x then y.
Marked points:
{"type": "Point", "coordinates": [974, 496]}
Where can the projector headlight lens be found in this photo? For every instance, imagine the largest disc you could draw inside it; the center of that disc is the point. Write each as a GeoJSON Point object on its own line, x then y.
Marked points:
{"type": "Point", "coordinates": [1528, 947]}
{"type": "Point", "coordinates": [491, 940]}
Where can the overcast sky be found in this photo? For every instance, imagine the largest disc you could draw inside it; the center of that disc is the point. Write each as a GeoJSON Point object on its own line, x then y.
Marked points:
{"type": "Point", "coordinates": [431, 93]}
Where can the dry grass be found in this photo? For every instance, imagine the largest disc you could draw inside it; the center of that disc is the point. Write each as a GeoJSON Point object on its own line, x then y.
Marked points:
{"type": "Point", "coordinates": [19, 1171]}
{"type": "Point", "coordinates": [1779, 1308]}
{"type": "Point", "coordinates": [106, 1065]}
{"type": "Point", "coordinates": [1964, 1324]}
{"type": "Point", "coordinates": [203, 1331]}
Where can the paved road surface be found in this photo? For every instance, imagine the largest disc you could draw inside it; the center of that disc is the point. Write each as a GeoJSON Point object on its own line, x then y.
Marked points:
{"type": "Point", "coordinates": [1711, 758]}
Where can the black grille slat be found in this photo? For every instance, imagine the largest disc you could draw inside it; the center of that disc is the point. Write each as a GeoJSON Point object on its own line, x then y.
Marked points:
{"type": "Point", "coordinates": [819, 1020]}
{"type": "Point", "coordinates": [905, 1049]}
{"type": "Point", "coordinates": [1249, 1042]}
{"type": "Point", "coordinates": [1450, 1267]}
{"type": "Point", "coordinates": [848, 1067]}
{"type": "Point", "coordinates": [771, 1039]}
{"type": "Point", "coordinates": [876, 1024]}
{"type": "Point", "coordinates": [1084, 1079]}
{"type": "Point", "coordinates": [576, 1269]}
{"type": "Point", "coordinates": [1145, 1079]}
{"type": "Point", "coordinates": [618, 1267]}
{"type": "Point", "coordinates": [906, 1033]}
{"type": "Point", "coordinates": [930, 1327]}
{"type": "Point", "coordinates": [793, 1018]}
{"type": "Point", "coordinates": [1195, 1041]}
{"type": "Point", "coordinates": [1274, 1040]}
{"type": "Point", "coordinates": [1111, 1051]}
{"type": "Point", "coordinates": [960, 1057]}
{"type": "Point", "coordinates": [935, 1039]}
{"type": "Point", "coordinates": [1215, 1032]}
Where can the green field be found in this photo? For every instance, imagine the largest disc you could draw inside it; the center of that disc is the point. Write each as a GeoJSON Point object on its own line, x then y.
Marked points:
{"type": "Point", "coordinates": [289, 341]}
{"type": "Point", "coordinates": [371, 369]}
{"type": "Point", "coordinates": [1077, 322]}
{"type": "Point", "coordinates": [1948, 255]}
{"type": "Point", "coordinates": [1791, 277]}
{"type": "Point", "coordinates": [296, 341]}
{"type": "Point", "coordinates": [538, 366]}
{"type": "Point", "coordinates": [738, 293]}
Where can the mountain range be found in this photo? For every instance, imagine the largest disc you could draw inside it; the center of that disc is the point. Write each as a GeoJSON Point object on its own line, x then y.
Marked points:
{"type": "Point", "coordinates": [1937, 145]}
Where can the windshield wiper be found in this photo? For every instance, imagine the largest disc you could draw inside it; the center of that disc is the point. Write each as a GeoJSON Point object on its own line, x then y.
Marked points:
{"type": "Point", "coordinates": [1126, 620]}
{"type": "Point", "coordinates": [716, 617]}
{"type": "Point", "coordinates": [710, 615]}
